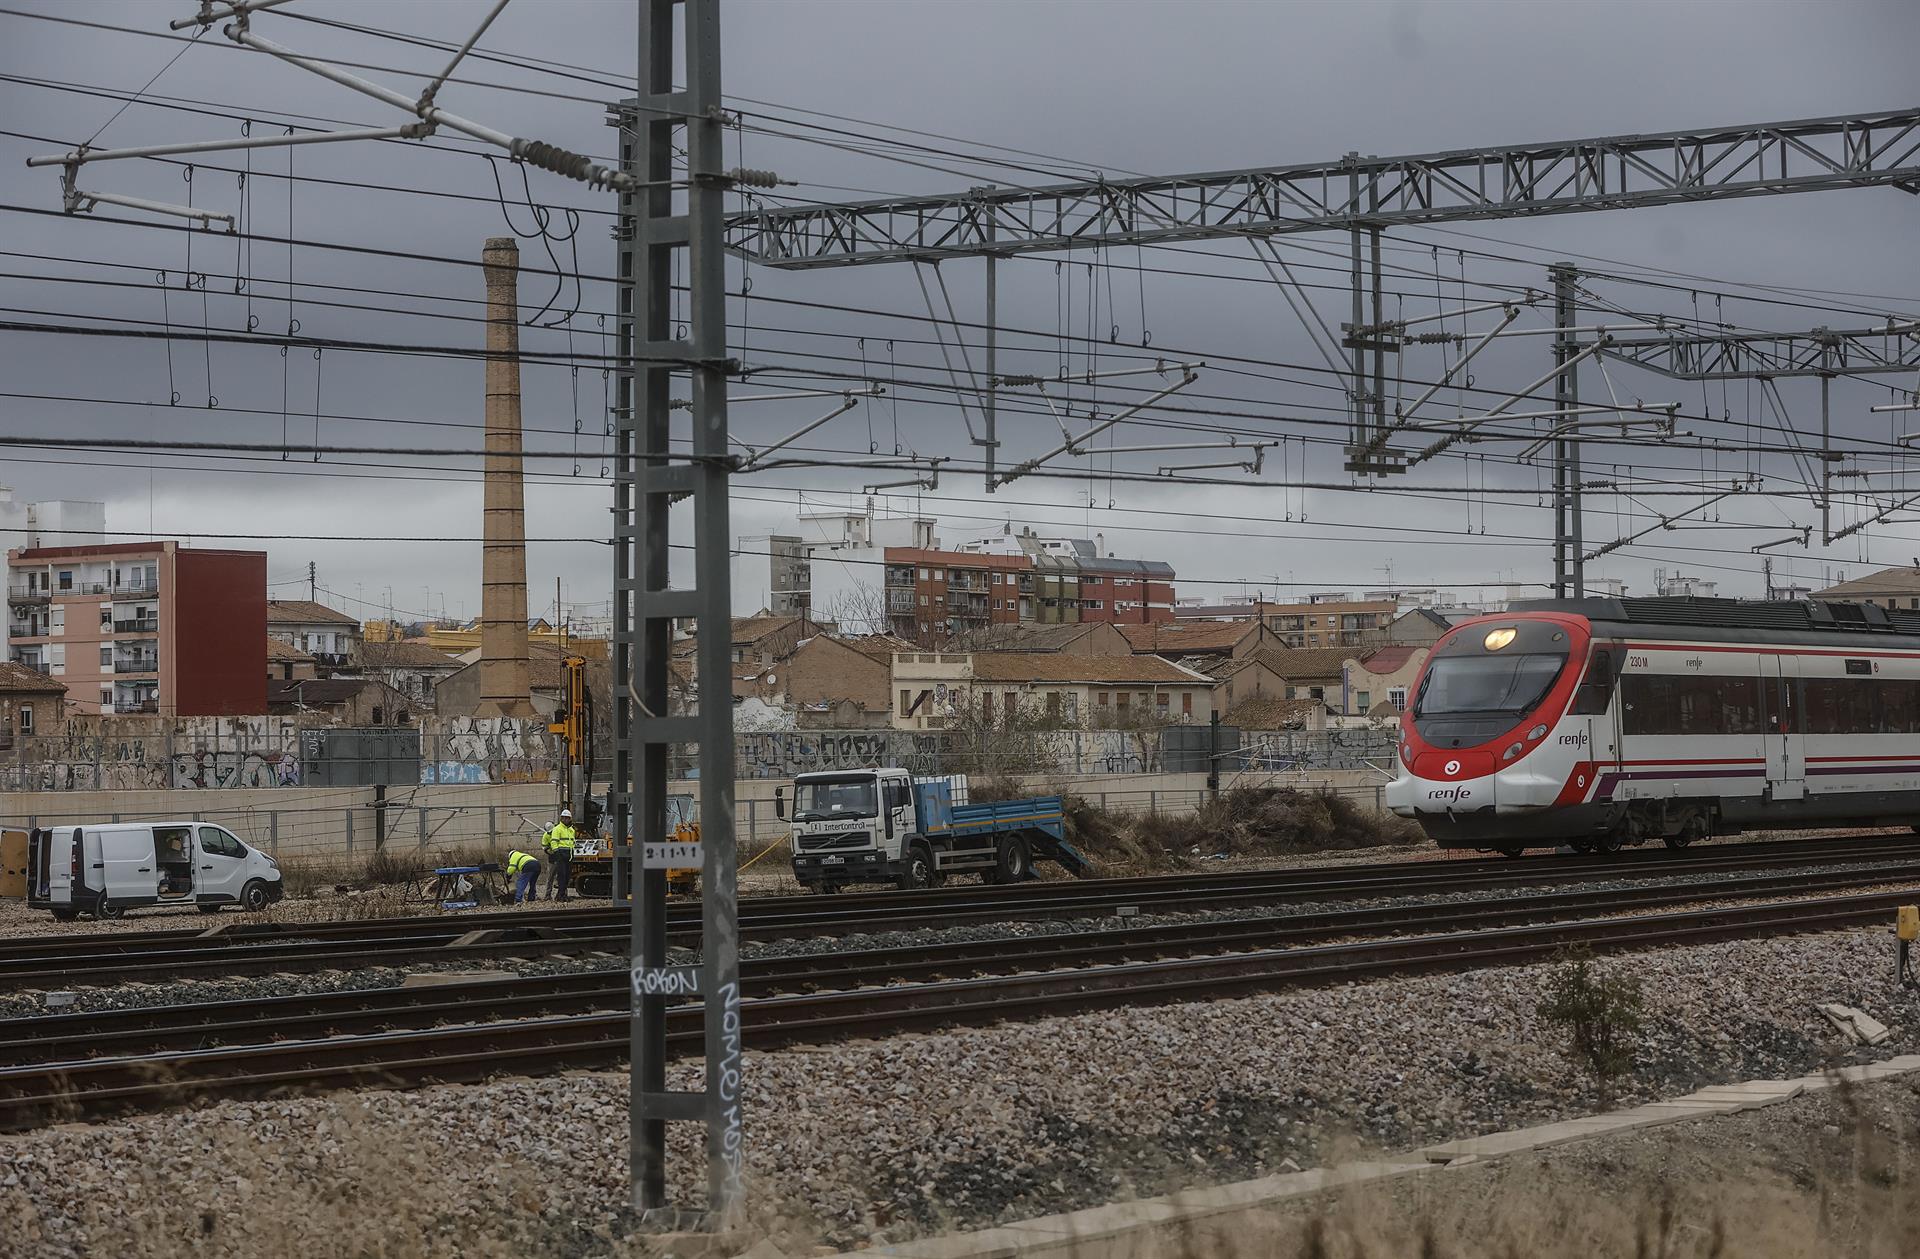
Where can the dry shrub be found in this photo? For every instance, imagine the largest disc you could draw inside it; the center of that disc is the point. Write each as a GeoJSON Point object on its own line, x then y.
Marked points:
{"type": "Point", "coordinates": [390, 866]}
{"type": "Point", "coordinates": [1600, 1011]}
{"type": "Point", "coordinates": [1261, 821]}
{"type": "Point", "coordinates": [1110, 838]}
{"type": "Point", "coordinates": [999, 786]}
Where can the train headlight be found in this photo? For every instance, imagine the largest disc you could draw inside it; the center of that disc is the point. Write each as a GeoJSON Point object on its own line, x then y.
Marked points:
{"type": "Point", "coordinates": [1496, 639]}
{"type": "Point", "coordinates": [1538, 732]}
{"type": "Point", "coordinates": [1406, 751]}
{"type": "Point", "coordinates": [1513, 751]}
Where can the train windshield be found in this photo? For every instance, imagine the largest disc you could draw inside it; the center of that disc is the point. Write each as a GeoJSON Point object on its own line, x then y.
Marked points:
{"type": "Point", "coordinates": [1480, 696]}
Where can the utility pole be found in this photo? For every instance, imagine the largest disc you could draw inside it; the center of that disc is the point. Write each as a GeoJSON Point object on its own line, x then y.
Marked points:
{"type": "Point", "coordinates": [992, 439]}
{"type": "Point", "coordinates": [651, 237]}
{"type": "Point", "coordinates": [1569, 562]}
{"type": "Point", "coordinates": [313, 583]}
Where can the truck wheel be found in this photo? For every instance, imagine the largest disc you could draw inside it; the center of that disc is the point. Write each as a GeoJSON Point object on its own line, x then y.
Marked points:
{"type": "Point", "coordinates": [106, 912]}
{"type": "Point", "coordinates": [210, 909]}
{"type": "Point", "coordinates": [253, 897]}
{"type": "Point", "coordinates": [917, 871]}
{"type": "Point", "coordinates": [1013, 863]}
{"type": "Point", "coordinates": [65, 915]}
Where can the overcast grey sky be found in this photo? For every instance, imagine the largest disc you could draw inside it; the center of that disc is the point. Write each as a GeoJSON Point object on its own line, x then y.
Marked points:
{"type": "Point", "coordinates": [1116, 87]}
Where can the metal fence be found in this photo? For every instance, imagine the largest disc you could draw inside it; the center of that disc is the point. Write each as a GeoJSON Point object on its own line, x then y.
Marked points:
{"type": "Point", "coordinates": [271, 752]}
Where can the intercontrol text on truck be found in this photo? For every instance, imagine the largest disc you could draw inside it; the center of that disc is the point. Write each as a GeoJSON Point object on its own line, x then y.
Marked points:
{"type": "Point", "coordinates": [886, 826]}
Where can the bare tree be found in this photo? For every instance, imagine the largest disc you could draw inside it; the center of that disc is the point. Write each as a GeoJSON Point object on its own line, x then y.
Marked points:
{"type": "Point", "coordinates": [859, 610]}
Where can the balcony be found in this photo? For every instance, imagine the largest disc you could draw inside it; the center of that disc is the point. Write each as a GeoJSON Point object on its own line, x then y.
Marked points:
{"type": "Point", "coordinates": [21, 594]}
{"type": "Point", "coordinates": [140, 625]}
{"type": "Point", "coordinates": [136, 706]}
{"type": "Point", "coordinates": [32, 662]}
{"type": "Point", "coordinates": [136, 664]}
{"type": "Point", "coordinates": [26, 629]}
{"type": "Point", "coordinates": [136, 590]}
{"type": "Point", "coordinates": [900, 601]}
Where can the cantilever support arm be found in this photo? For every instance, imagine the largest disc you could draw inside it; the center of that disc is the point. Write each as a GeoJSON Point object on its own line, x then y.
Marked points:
{"type": "Point", "coordinates": [1400, 420]}
{"type": "Point", "coordinates": [1666, 522]}
{"type": "Point", "coordinates": [546, 156]}
{"type": "Point", "coordinates": [756, 457]}
{"type": "Point", "coordinates": [1466, 425]}
{"type": "Point", "coordinates": [1874, 519]}
{"type": "Point", "coordinates": [1073, 444]}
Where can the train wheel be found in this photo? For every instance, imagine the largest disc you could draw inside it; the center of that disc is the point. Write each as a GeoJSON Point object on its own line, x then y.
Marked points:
{"type": "Point", "coordinates": [1610, 842]}
{"type": "Point", "coordinates": [1693, 828]}
{"type": "Point", "coordinates": [1581, 847]}
{"type": "Point", "coordinates": [1514, 850]}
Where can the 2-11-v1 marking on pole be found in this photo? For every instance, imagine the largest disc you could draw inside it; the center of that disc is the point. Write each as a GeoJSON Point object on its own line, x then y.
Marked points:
{"type": "Point", "coordinates": [669, 855]}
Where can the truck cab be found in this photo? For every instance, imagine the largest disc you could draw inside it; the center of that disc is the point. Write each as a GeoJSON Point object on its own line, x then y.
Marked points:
{"type": "Point", "coordinates": [886, 826]}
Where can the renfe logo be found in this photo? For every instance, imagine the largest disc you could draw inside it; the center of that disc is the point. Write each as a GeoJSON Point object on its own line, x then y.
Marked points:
{"type": "Point", "coordinates": [1452, 767]}
{"type": "Point", "coordinates": [1576, 740]}
{"type": "Point", "coordinates": [1449, 793]}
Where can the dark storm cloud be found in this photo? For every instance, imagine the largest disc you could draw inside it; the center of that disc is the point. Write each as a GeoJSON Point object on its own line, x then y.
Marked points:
{"type": "Point", "coordinates": [1118, 87]}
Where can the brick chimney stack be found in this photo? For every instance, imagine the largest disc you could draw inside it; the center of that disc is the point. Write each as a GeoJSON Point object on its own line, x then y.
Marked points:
{"type": "Point", "coordinates": [504, 675]}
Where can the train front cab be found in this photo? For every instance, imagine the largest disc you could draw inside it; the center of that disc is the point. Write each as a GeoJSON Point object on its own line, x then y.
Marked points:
{"type": "Point", "coordinates": [1510, 720]}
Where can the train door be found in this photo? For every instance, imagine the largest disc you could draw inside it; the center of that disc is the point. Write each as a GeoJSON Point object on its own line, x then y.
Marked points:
{"type": "Point", "coordinates": [1786, 729]}
{"type": "Point", "coordinates": [1594, 702]}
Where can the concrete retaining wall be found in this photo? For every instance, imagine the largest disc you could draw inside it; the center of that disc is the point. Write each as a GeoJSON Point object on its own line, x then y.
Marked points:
{"type": "Point", "coordinates": [340, 821]}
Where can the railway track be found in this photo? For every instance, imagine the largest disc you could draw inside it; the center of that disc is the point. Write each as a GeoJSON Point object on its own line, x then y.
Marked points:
{"type": "Point", "coordinates": [237, 949]}
{"type": "Point", "coordinates": [78, 1065]}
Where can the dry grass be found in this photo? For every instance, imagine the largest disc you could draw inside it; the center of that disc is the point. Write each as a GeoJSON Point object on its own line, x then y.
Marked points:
{"type": "Point", "coordinates": [393, 867]}
{"type": "Point", "coordinates": [1832, 1175]}
{"type": "Point", "coordinates": [1838, 1179]}
{"type": "Point", "coordinates": [1242, 822]}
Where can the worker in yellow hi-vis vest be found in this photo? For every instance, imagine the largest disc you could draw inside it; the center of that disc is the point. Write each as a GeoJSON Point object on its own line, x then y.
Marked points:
{"type": "Point", "coordinates": [523, 871]}
{"type": "Point", "coordinates": [558, 841]}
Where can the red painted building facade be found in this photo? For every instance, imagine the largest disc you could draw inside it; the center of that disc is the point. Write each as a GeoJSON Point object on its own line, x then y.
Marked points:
{"type": "Point", "coordinates": [143, 627]}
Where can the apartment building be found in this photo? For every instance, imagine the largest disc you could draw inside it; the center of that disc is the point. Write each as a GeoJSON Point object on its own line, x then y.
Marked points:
{"type": "Point", "coordinates": [933, 596]}
{"type": "Point", "coordinates": [332, 638]}
{"type": "Point", "coordinates": [829, 565]}
{"type": "Point", "coordinates": [1078, 579]}
{"type": "Point", "coordinates": [936, 689]}
{"type": "Point", "coordinates": [1125, 592]}
{"type": "Point", "coordinates": [143, 627]}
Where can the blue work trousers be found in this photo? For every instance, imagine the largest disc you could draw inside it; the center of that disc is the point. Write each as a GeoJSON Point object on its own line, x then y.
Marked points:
{"type": "Point", "coordinates": [526, 885]}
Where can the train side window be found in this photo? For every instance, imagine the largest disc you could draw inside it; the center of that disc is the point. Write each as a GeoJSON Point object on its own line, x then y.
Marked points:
{"type": "Point", "coordinates": [1596, 689]}
{"type": "Point", "coordinates": [1690, 705]}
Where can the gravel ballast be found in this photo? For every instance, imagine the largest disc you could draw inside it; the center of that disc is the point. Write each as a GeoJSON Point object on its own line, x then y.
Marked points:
{"type": "Point", "coordinates": [912, 1134]}
{"type": "Point", "coordinates": [202, 987]}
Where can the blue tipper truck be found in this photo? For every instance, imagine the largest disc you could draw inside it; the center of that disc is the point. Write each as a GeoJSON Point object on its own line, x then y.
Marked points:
{"type": "Point", "coordinates": [886, 826]}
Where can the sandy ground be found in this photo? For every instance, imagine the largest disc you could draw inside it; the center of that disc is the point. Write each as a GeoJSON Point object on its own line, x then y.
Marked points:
{"type": "Point", "coordinates": [1830, 1173]}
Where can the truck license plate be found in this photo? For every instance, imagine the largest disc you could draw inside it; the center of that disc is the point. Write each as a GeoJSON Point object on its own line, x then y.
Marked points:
{"type": "Point", "coordinates": [833, 861]}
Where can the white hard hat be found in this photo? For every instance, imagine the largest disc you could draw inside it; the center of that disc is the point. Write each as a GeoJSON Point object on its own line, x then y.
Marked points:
{"type": "Point", "coordinates": [566, 813]}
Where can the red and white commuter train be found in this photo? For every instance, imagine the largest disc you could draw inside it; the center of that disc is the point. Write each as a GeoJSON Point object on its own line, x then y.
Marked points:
{"type": "Point", "coordinates": [1601, 722]}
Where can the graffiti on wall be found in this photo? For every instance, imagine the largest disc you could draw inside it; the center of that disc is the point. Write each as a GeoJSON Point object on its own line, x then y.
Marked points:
{"type": "Point", "coordinates": [784, 753]}
{"type": "Point", "coordinates": [107, 754]}
{"type": "Point", "coordinates": [234, 769]}
{"type": "Point", "coordinates": [488, 750]}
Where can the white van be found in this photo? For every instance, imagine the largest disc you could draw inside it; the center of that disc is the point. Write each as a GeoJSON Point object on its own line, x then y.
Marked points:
{"type": "Point", "coordinates": [106, 870]}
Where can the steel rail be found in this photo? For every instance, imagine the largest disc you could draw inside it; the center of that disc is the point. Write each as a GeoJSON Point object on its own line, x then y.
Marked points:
{"type": "Point", "coordinates": [35, 1095]}
{"type": "Point", "coordinates": [261, 949]}
{"type": "Point", "coordinates": [227, 931]}
{"type": "Point", "coordinates": [52, 1038]}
